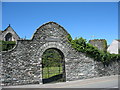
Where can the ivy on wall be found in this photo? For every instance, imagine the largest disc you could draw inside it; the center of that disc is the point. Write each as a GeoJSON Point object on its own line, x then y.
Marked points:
{"type": "Point", "coordinates": [6, 45]}
{"type": "Point", "coordinates": [81, 45]}
{"type": "Point", "coordinates": [105, 45]}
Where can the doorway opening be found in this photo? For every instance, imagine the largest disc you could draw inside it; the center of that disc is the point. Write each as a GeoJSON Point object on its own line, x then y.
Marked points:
{"type": "Point", "coordinates": [53, 66]}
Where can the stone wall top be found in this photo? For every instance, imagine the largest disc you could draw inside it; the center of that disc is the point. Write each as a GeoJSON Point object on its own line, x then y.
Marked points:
{"type": "Point", "coordinates": [49, 31]}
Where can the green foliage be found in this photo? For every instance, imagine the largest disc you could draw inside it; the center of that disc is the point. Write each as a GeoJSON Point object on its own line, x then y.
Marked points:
{"type": "Point", "coordinates": [51, 69]}
{"type": "Point", "coordinates": [81, 45]}
{"type": "Point", "coordinates": [104, 45]}
{"type": "Point", "coordinates": [52, 58]}
{"type": "Point", "coordinates": [69, 37]}
{"type": "Point", "coordinates": [52, 62]}
{"type": "Point", "coordinates": [92, 51]}
{"type": "Point", "coordinates": [6, 45]}
{"type": "Point", "coordinates": [119, 51]}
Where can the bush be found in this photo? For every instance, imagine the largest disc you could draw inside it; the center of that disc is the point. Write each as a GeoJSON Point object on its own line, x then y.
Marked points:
{"type": "Point", "coordinates": [81, 45]}
{"type": "Point", "coordinates": [69, 37]}
{"type": "Point", "coordinates": [6, 45]}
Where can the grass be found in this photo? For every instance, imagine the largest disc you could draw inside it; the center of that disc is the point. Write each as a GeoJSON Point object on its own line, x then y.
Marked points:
{"type": "Point", "coordinates": [51, 71]}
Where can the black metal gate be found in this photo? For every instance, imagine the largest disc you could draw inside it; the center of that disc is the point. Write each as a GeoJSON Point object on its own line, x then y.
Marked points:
{"type": "Point", "coordinates": [53, 66]}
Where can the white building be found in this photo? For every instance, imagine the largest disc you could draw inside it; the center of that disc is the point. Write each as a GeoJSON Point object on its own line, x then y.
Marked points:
{"type": "Point", "coordinates": [114, 47]}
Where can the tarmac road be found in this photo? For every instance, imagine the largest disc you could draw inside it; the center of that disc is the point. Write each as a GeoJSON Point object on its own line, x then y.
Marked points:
{"type": "Point", "coordinates": [101, 82]}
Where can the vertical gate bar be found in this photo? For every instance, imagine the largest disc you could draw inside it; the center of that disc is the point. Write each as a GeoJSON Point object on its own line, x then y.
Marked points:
{"type": "Point", "coordinates": [48, 68]}
{"type": "Point", "coordinates": [59, 66]}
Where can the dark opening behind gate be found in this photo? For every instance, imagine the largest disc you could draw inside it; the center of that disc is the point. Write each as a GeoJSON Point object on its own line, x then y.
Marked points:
{"type": "Point", "coordinates": [53, 66]}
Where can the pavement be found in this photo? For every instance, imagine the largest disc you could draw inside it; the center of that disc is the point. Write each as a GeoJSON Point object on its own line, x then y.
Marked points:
{"type": "Point", "coordinates": [100, 82]}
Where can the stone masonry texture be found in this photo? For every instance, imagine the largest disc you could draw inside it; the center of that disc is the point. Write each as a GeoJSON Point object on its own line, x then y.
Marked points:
{"type": "Point", "coordinates": [22, 65]}
{"type": "Point", "coordinates": [99, 43]}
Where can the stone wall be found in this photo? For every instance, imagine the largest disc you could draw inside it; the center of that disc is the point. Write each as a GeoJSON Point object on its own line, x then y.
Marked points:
{"type": "Point", "coordinates": [0, 68]}
{"type": "Point", "coordinates": [101, 44]}
{"type": "Point", "coordinates": [107, 70]}
{"type": "Point", "coordinates": [22, 65]}
{"type": "Point", "coordinates": [85, 67]}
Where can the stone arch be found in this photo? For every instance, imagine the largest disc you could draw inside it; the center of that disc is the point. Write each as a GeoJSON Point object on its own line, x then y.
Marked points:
{"type": "Point", "coordinates": [46, 46]}
{"type": "Point", "coordinates": [24, 61]}
{"type": "Point", "coordinates": [45, 32]}
{"type": "Point", "coordinates": [8, 37]}
{"type": "Point", "coordinates": [59, 74]}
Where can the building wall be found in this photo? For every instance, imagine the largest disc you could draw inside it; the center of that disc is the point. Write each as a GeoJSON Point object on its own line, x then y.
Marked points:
{"type": "Point", "coordinates": [3, 34]}
{"type": "Point", "coordinates": [114, 46]}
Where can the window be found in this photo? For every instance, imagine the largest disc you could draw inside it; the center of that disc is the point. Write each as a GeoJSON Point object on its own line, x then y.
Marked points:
{"type": "Point", "coordinates": [8, 37]}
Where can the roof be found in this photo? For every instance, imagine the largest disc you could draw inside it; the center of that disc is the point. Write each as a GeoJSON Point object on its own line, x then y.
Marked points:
{"type": "Point", "coordinates": [7, 28]}
{"type": "Point", "coordinates": [118, 40]}
{"type": "Point", "coordinates": [11, 28]}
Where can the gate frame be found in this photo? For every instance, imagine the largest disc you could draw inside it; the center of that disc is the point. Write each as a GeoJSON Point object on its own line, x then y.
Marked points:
{"type": "Point", "coordinates": [46, 46]}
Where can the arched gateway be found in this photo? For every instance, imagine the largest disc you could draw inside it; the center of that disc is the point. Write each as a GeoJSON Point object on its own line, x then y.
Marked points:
{"type": "Point", "coordinates": [53, 66]}
{"type": "Point", "coordinates": [24, 64]}
{"type": "Point", "coordinates": [61, 49]}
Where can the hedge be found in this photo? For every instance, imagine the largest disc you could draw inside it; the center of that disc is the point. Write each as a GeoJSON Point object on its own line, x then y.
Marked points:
{"type": "Point", "coordinates": [6, 45]}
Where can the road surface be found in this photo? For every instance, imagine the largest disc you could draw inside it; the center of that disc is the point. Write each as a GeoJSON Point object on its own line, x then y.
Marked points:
{"type": "Point", "coordinates": [101, 82]}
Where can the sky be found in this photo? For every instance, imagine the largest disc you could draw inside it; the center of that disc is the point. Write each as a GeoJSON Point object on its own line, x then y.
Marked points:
{"type": "Point", "coordinates": [80, 19]}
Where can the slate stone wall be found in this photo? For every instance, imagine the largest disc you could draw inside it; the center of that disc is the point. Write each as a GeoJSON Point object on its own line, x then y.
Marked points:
{"type": "Point", "coordinates": [0, 68]}
{"type": "Point", "coordinates": [22, 65]}
{"type": "Point", "coordinates": [101, 44]}
{"type": "Point", "coordinates": [19, 66]}
{"type": "Point", "coordinates": [107, 70]}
